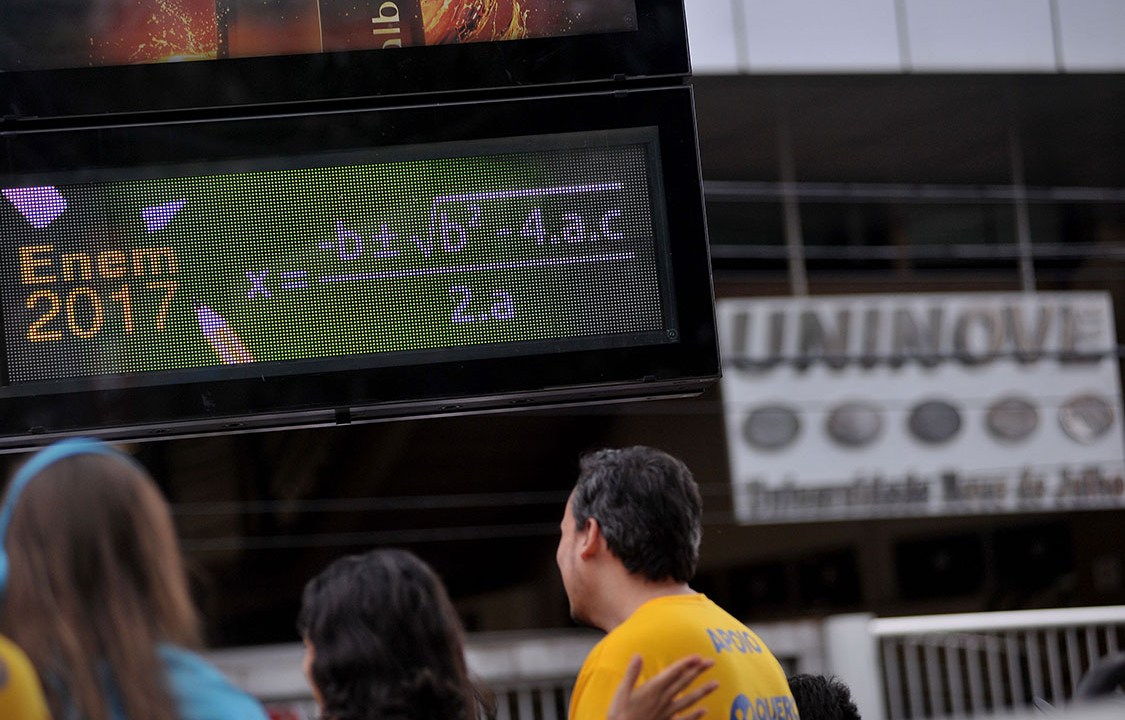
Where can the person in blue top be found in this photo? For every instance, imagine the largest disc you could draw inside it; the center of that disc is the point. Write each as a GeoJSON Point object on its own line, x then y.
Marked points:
{"type": "Point", "coordinates": [93, 589]}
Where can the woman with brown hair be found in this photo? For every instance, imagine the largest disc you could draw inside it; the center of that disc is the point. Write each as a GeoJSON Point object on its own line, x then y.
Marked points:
{"type": "Point", "coordinates": [383, 641]}
{"type": "Point", "coordinates": [93, 589]}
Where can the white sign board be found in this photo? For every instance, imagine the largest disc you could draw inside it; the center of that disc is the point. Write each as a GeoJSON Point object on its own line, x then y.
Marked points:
{"type": "Point", "coordinates": [904, 405]}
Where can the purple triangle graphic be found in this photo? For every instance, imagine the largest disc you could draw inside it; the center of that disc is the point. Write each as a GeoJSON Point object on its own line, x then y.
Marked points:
{"type": "Point", "coordinates": [157, 217]}
{"type": "Point", "coordinates": [40, 205]}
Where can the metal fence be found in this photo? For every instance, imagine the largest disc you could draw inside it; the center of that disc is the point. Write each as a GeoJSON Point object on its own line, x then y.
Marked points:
{"type": "Point", "coordinates": [544, 700]}
{"type": "Point", "coordinates": [982, 664]}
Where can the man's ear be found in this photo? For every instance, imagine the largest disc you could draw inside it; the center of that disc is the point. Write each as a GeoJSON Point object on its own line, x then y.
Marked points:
{"type": "Point", "coordinates": [591, 540]}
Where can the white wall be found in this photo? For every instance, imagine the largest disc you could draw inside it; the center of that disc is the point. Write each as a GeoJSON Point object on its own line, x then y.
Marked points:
{"type": "Point", "coordinates": [873, 36]}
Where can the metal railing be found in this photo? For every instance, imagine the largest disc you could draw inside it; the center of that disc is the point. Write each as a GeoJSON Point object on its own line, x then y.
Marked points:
{"type": "Point", "coordinates": [544, 700]}
{"type": "Point", "coordinates": [979, 664]}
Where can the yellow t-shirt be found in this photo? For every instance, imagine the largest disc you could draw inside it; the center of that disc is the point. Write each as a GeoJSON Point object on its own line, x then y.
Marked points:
{"type": "Point", "coordinates": [752, 684]}
{"type": "Point", "coordinates": [20, 693]}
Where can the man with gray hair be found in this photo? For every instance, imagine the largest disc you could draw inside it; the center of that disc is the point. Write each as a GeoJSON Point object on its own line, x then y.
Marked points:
{"type": "Point", "coordinates": [629, 547]}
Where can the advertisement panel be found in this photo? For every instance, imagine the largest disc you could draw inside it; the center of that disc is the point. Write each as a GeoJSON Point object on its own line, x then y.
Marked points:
{"type": "Point", "coordinates": [80, 33]}
{"type": "Point", "coordinates": [869, 406]}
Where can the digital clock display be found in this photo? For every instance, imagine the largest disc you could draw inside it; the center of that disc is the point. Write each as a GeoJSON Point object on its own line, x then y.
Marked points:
{"type": "Point", "coordinates": [410, 254]}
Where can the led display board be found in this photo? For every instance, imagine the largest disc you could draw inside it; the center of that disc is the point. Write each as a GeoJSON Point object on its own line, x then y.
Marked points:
{"type": "Point", "coordinates": [196, 276]}
{"type": "Point", "coordinates": [68, 58]}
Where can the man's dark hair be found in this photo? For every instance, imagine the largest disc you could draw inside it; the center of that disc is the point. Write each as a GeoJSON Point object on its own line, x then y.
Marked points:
{"type": "Point", "coordinates": [821, 697]}
{"type": "Point", "coordinates": [648, 507]}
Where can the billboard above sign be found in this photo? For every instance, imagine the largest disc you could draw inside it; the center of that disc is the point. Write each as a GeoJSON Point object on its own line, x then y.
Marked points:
{"type": "Point", "coordinates": [77, 58]}
{"type": "Point", "coordinates": [871, 406]}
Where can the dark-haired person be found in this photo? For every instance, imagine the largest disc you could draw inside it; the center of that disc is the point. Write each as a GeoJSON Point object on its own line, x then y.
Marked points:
{"type": "Point", "coordinates": [821, 697]}
{"type": "Point", "coordinates": [93, 590]}
{"type": "Point", "coordinates": [629, 547]}
{"type": "Point", "coordinates": [382, 641]}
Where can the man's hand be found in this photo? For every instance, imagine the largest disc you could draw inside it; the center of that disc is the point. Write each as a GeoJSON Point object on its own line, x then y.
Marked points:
{"type": "Point", "coordinates": [659, 698]}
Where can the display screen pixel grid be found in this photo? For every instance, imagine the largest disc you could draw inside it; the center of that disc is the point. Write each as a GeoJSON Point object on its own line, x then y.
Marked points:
{"type": "Point", "coordinates": [137, 276]}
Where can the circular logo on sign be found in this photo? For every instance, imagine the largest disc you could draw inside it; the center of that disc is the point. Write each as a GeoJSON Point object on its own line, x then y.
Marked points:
{"type": "Point", "coordinates": [1085, 418]}
{"type": "Point", "coordinates": [771, 427]}
{"type": "Point", "coordinates": [854, 424]}
{"type": "Point", "coordinates": [934, 422]}
{"type": "Point", "coordinates": [1011, 419]}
